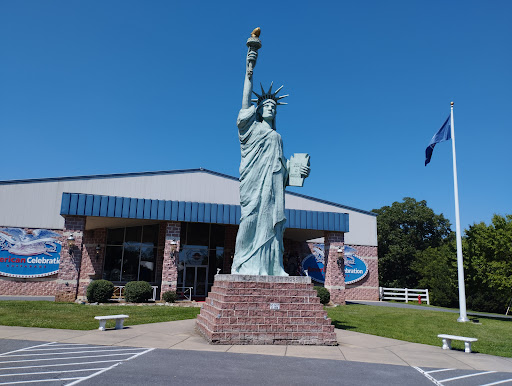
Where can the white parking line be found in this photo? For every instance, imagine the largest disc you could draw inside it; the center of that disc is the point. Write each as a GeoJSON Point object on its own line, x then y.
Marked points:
{"type": "Point", "coordinates": [59, 364]}
{"type": "Point", "coordinates": [141, 353]}
{"type": "Point", "coordinates": [23, 349]}
{"type": "Point", "coordinates": [104, 370]}
{"type": "Point", "coordinates": [93, 375]}
{"type": "Point", "coordinates": [58, 359]}
{"type": "Point", "coordinates": [39, 380]}
{"type": "Point", "coordinates": [123, 354]}
{"type": "Point", "coordinates": [465, 376]}
{"type": "Point", "coordinates": [429, 377]}
{"type": "Point", "coordinates": [498, 382]}
{"type": "Point", "coordinates": [437, 371]}
{"type": "Point", "coordinates": [49, 372]}
{"type": "Point", "coordinates": [68, 348]}
{"type": "Point", "coordinates": [66, 353]}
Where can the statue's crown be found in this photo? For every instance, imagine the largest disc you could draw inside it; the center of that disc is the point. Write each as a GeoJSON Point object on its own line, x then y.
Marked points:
{"type": "Point", "coordinates": [269, 95]}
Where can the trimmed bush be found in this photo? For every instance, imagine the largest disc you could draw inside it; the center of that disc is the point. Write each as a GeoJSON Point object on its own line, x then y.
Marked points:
{"type": "Point", "coordinates": [169, 296]}
{"type": "Point", "coordinates": [324, 295]}
{"type": "Point", "coordinates": [138, 291]}
{"type": "Point", "coordinates": [100, 291]}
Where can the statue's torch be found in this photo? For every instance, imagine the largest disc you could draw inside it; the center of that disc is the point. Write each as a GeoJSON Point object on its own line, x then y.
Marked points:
{"type": "Point", "coordinates": [254, 44]}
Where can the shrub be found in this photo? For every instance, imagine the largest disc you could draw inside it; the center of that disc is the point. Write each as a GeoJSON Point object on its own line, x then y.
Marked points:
{"type": "Point", "coordinates": [138, 291]}
{"type": "Point", "coordinates": [100, 291]}
{"type": "Point", "coordinates": [486, 302]}
{"type": "Point", "coordinates": [169, 296]}
{"type": "Point", "coordinates": [324, 295]}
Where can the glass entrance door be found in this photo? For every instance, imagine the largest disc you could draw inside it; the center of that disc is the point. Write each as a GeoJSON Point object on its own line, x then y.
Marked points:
{"type": "Point", "coordinates": [196, 277]}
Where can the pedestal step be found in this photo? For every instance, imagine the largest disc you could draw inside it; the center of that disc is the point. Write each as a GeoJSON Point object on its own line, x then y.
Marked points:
{"type": "Point", "coordinates": [264, 310]}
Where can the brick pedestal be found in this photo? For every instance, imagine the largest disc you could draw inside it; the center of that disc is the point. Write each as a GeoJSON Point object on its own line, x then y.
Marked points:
{"type": "Point", "coordinates": [244, 309]}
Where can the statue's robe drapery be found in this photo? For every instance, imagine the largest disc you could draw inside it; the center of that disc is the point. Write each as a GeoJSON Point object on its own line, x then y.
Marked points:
{"type": "Point", "coordinates": [263, 175]}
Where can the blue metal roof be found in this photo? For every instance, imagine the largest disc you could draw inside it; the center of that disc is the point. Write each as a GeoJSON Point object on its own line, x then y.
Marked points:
{"type": "Point", "coordinates": [79, 204]}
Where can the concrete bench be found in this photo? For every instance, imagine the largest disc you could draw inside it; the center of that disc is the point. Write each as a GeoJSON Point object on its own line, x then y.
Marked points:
{"type": "Point", "coordinates": [447, 341]}
{"type": "Point", "coordinates": [118, 318]}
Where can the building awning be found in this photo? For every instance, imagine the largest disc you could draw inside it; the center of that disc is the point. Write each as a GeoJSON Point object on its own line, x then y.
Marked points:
{"type": "Point", "coordinates": [79, 204]}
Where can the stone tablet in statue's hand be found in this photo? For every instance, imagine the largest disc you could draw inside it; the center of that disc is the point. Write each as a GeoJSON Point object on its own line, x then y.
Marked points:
{"type": "Point", "coordinates": [298, 169]}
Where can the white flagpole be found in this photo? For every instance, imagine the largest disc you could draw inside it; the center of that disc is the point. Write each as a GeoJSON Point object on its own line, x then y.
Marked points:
{"type": "Point", "coordinates": [460, 267]}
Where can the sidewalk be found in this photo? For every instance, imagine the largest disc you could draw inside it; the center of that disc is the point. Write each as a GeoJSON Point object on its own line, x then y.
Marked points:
{"type": "Point", "coordinates": [353, 346]}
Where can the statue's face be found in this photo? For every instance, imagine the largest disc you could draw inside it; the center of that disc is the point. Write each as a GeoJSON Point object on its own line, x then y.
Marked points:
{"type": "Point", "coordinates": [268, 109]}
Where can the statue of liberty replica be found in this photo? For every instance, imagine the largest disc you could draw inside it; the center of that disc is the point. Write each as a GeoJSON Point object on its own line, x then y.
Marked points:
{"type": "Point", "coordinates": [264, 175]}
{"type": "Point", "coordinates": [255, 304]}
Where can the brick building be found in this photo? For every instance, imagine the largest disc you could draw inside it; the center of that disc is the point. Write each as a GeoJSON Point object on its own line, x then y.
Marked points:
{"type": "Point", "coordinates": [175, 229]}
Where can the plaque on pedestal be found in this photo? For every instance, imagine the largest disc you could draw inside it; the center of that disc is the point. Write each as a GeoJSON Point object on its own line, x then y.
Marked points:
{"type": "Point", "coordinates": [296, 162]}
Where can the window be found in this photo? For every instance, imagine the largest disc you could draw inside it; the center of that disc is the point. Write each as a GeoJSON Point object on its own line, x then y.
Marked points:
{"type": "Point", "coordinates": [131, 254]}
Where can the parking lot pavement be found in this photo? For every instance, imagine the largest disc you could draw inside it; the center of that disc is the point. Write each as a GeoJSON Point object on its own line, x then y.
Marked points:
{"type": "Point", "coordinates": [62, 363]}
{"type": "Point", "coordinates": [29, 362]}
{"type": "Point", "coordinates": [454, 377]}
{"type": "Point", "coordinates": [183, 367]}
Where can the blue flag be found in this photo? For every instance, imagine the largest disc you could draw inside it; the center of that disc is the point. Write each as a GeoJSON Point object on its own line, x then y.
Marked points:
{"type": "Point", "coordinates": [443, 134]}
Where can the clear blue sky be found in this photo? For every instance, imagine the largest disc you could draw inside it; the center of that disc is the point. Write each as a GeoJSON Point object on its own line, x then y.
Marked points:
{"type": "Point", "coordinates": [90, 87]}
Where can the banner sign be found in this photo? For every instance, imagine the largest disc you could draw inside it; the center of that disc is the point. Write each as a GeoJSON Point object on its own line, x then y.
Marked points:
{"type": "Point", "coordinates": [355, 268]}
{"type": "Point", "coordinates": [26, 255]}
{"type": "Point", "coordinates": [313, 265]}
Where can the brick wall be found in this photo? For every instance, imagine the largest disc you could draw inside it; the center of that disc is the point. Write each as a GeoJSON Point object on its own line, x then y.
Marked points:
{"type": "Point", "coordinates": [38, 286]}
{"type": "Point", "coordinates": [170, 258]}
{"type": "Point", "coordinates": [70, 263]}
{"type": "Point", "coordinates": [334, 273]}
{"type": "Point", "coordinates": [92, 262]}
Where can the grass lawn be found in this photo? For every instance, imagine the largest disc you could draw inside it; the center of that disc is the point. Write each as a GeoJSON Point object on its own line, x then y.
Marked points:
{"type": "Point", "coordinates": [412, 325]}
{"type": "Point", "coordinates": [423, 326]}
{"type": "Point", "coordinates": [81, 317]}
{"type": "Point", "coordinates": [469, 311]}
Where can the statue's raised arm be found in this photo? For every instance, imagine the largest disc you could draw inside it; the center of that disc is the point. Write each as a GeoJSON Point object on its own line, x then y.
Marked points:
{"type": "Point", "coordinates": [254, 44]}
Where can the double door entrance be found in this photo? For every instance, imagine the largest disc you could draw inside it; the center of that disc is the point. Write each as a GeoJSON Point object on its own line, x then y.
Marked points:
{"type": "Point", "coordinates": [194, 280]}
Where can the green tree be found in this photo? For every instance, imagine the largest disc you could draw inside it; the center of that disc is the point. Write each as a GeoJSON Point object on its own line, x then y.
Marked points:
{"type": "Point", "coordinates": [488, 264]}
{"type": "Point", "coordinates": [437, 269]}
{"type": "Point", "coordinates": [404, 229]}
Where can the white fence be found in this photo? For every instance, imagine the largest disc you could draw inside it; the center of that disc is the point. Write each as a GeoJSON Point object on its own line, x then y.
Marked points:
{"type": "Point", "coordinates": [407, 294]}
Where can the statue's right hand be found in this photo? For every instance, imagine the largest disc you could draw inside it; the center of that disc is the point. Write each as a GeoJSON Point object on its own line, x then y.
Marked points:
{"type": "Point", "coordinates": [252, 56]}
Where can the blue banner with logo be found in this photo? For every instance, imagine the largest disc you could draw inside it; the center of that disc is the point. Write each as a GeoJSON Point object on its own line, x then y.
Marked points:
{"type": "Point", "coordinates": [313, 265]}
{"type": "Point", "coordinates": [355, 268]}
{"type": "Point", "coordinates": [29, 254]}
